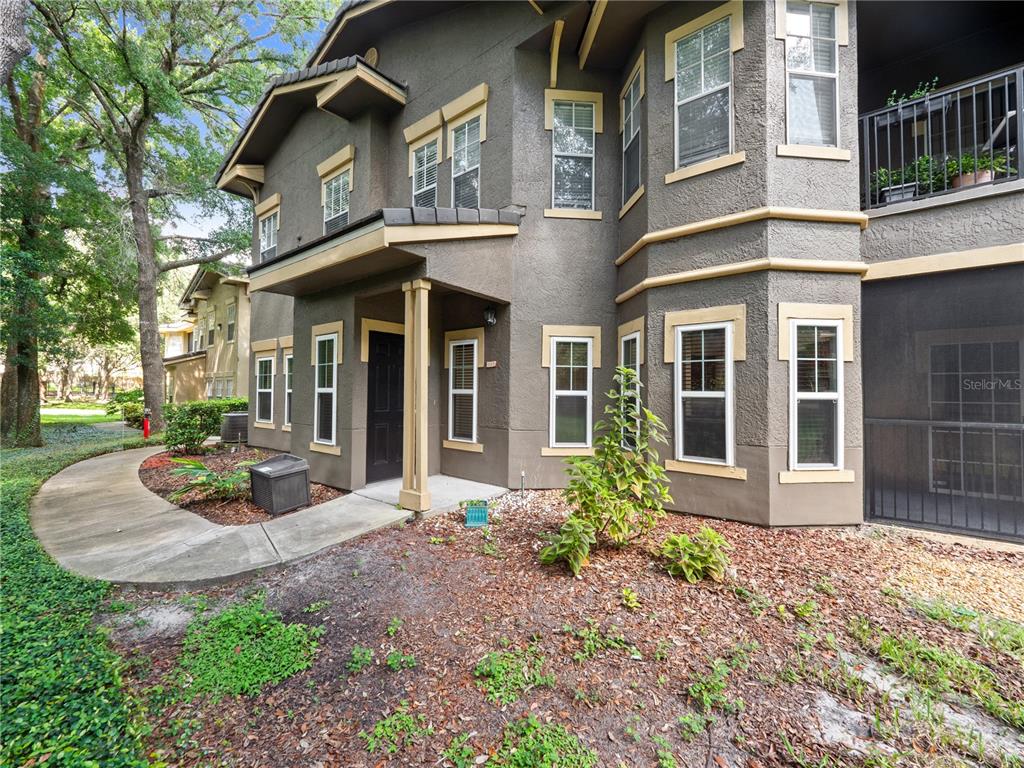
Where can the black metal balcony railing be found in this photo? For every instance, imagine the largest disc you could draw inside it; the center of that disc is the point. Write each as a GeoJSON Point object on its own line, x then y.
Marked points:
{"type": "Point", "coordinates": [958, 137]}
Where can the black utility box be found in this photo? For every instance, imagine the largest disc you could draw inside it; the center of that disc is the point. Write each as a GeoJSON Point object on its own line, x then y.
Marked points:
{"type": "Point", "coordinates": [234, 427]}
{"type": "Point", "coordinates": [280, 484]}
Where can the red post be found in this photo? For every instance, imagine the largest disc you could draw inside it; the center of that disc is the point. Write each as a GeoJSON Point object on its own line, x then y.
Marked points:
{"type": "Point", "coordinates": [145, 424]}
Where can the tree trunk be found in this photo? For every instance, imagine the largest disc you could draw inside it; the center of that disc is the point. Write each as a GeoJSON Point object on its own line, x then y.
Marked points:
{"type": "Point", "coordinates": [149, 337]}
{"type": "Point", "coordinates": [19, 397]}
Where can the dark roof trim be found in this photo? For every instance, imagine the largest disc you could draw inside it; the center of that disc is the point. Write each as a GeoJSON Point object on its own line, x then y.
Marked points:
{"type": "Point", "coordinates": [329, 32]}
{"type": "Point", "coordinates": [375, 216]}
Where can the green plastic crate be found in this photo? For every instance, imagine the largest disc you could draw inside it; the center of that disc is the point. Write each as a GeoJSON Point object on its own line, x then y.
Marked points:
{"type": "Point", "coordinates": [476, 515]}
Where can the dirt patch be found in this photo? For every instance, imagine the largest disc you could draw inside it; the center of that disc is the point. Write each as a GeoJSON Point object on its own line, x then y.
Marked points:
{"type": "Point", "coordinates": [460, 594]}
{"type": "Point", "coordinates": [157, 475]}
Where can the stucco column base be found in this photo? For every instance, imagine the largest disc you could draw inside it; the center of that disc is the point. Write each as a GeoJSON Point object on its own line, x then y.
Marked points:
{"type": "Point", "coordinates": [416, 501]}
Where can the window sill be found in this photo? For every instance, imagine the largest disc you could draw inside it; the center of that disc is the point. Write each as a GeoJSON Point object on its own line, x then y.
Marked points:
{"type": "Point", "coordinates": [812, 152]}
{"type": "Point", "coordinates": [632, 201]}
{"type": "Point", "coordinates": [816, 476]}
{"type": "Point", "coordinates": [333, 450]}
{"type": "Point", "coordinates": [571, 213]}
{"type": "Point", "coordinates": [462, 445]}
{"type": "Point", "coordinates": [286, 428]}
{"type": "Point", "coordinates": [698, 169]}
{"type": "Point", "coordinates": [566, 451]}
{"type": "Point", "coordinates": [710, 470]}
{"type": "Point", "coordinates": [263, 425]}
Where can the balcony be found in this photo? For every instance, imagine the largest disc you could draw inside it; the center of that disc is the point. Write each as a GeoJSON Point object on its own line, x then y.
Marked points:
{"type": "Point", "coordinates": [968, 135]}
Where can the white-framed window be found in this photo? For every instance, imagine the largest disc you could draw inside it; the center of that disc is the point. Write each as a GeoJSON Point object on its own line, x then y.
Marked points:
{"type": "Point", "coordinates": [571, 391]}
{"type": "Point", "coordinates": [289, 369]}
{"type": "Point", "coordinates": [631, 118]}
{"type": "Point", "coordinates": [209, 388]}
{"type": "Point", "coordinates": [424, 175]}
{"type": "Point", "coordinates": [462, 389]}
{"type": "Point", "coordinates": [218, 388]}
{"type": "Point", "coordinates": [336, 200]}
{"type": "Point", "coordinates": [230, 332]}
{"type": "Point", "coordinates": [629, 357]}
{"type": "Point", "coordinates": [572, 160]}
{"type": "Point", "coordinates": [816, 394]}
{"type": "Point", "coordinates": [211, 327]}
{"type": "Point", "coordinates": [703, 111]}
{"type": "Point", "coordinates": [704, 393]}
{"type": "Point", "coordinates": [466, 164]}
{"type": "Point", "coordinates": [268, 236]}
{"type": "Point", "coordinates": [229, 386]}
{"type": "Point", "coordinates": [811, 74]}
{"type": "Point", "coordinates": [326, 402]}
{"type": "Point", "coordinates": [265, 389]}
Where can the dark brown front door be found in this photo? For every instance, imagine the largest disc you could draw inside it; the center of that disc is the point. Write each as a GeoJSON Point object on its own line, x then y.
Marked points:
{"type": "Point", "coordinates": [384, 406]}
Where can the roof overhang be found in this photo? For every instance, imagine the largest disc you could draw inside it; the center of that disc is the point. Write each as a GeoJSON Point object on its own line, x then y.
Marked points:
{"type": "Point", "coordinates": [188, 356]}
{"type": "Point", "coordinates": [611, 32]}
{"type": "Point", "coordinates": [357, 90]}
{"type": "Point", "coordinates": [241, 179]}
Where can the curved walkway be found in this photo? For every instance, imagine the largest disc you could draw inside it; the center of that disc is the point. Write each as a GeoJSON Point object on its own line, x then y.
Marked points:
{"type": "Point", "coordinates": [96, 518]}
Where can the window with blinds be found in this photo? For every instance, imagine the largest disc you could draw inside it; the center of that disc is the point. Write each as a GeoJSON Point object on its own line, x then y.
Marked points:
{"type": "Point", "coordinates": [631, 117]}
{"type": "Point", "coordinates": [268, 236]}
{"type": "Point", "coordinates": [265, 389]}
{"type": "Point", "coordinates": [289, 368]}
{"type": "Point", "coordinates": [816, 390]}
{"type": "Point", "coordinates": [336, 199]}
{"type": "Point", "coordinates": [573, 161]}
{"type": "Point", "coordinates": [812, 80]}
{"type": "Point", "coordinates": [424, 176]}
{"type": "Point", "coordinates": [466, 164]}
{"type": "Point", "coordinates": [324, 413]}
{"type": "Point", "coordinates": [703, 94]}
{"type": "Point", "coordinates": [704, 400]}
{"type": "Point", "coordinates": [571, 378]}
{"type": "Point", "coordinates": [462, 390]}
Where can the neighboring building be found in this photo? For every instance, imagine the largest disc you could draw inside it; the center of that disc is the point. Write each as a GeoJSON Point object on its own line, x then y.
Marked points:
{"type": "Point", "coordinates": [466, 214]}
{"type": "Point", "coordinates": [206, 355]}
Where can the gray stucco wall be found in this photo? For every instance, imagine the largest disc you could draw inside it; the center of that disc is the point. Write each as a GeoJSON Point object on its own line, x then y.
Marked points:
{"type": "Point", "coordinates": [271, 318]}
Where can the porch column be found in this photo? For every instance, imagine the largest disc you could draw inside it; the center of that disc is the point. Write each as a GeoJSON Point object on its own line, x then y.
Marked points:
{"type": "Point", "coordinates": [415, 495]}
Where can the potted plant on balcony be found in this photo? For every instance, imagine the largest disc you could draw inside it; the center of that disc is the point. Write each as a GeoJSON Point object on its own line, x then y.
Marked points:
{"type": "Point", "coordinates": [924, 175]}
{"type": "Point", "coordinates": [966, 170]}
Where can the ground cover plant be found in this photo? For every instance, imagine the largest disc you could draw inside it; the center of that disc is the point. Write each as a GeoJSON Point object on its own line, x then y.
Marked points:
{"type": "Point", "coordinates": [505, 675]}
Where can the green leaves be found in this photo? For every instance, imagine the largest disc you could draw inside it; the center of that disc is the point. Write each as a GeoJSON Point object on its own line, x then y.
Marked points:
{"type": "Point", "coordinates": [572, 544]}
{"type": "Point", "coordinates": [190, 423]}
{"type": "Point", "coordinates": [230, 484]}
{"type": "Point", "coordinates": [703, 556]}
{"type": "Point", "coordinates": [504, 675]}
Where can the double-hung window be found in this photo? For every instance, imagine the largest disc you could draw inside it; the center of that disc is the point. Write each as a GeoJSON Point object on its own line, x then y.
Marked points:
{"type": "Point", "coordinates": [816, 395]}
{"type": "Point", "coordinates": [631, 118]}
{"type": "Point", "coordinates": [336, 199]}
{"type": "Point", "coordinates": [230, 333]}
{"type": "Point", "coordinates": [462, 390]}
{"type": "Point", "coordinates": [466, 164]}
{"type": "Point", "coordinates": [289, 368]}
{"type": "Point", "coordinates": [325, 408]}
{"type": "Point", "coordinates": [573, 155]}
{"type": "Point", "coordinates": [211, 320]}
{"type": "Point", "coordinates": [265, 389]}
{"type": "Point", "coordinates": [424, 175]}
{"type": "Point", "coordinates": [571, 383]}
{"type": "Point", "coordinates": [811, 90]}
{"type": "Point", "coordinates": [703, 94]}
{"type": "Point", "coordinates": [629, 357]}
{"type": "Point", "coordinates": [268, 236]}
{"type": "Point", "coordinates": [704, 396]}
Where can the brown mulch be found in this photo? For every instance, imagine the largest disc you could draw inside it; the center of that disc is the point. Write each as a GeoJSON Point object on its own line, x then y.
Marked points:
{"type": "Point", "coordinates": [457, 603]}
{"type": "Point", "coordinates": [157, 475]}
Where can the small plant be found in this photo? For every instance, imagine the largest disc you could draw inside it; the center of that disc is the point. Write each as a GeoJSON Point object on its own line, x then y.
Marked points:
{"type": "Point", "coordinates": [459, 753]}
{"type": "Point", "coordinates": [393, 626]}
{"type": "Point", "coordinates": [664, 751]}
{"type": "Point", "coordinates": [630, 599]}
{"type": "Point", "coordinates": [824, 586]}
{"type": "Point", "coordinates": [504, 675]}
{"type": "Point", "coordinates": [396, 661]}
{"type": "Point", "coordinates": [316, 606]}
{"type": "Point", "coordinates": [396, 731]}
{"type": "Point", "coordinates": [230, 484]}
{"type": "Point", "coordinates": [708, 691]}
{"type": "Point", "coordinates": [593, 641]}
{"type": "Point", "coordinates": [692, 725]}
{"type": "Point", "coordinates": [703, 556]}
{"type": "Point", "coordinates": [806, 611]}
{"type": "Point", "coordinates": [661, 650]}
{"type": "Point", "coordinates": [361, 658]}
{"type": "Point", "coordinates": [572, 544]}
{"type": "Point", "coordinates": [528, 743]}
{"type": "Point", "coordinates": [759, 604]}
{"type": "Point", "coordinates": [490, 549]}
{"type": "Point", "coordinates": [923, 89]}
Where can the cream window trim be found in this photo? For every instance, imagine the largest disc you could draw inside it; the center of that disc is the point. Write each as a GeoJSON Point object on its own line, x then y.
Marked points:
{"type": "Point", "coordinates": [633, 199]}
{"type": "Point", "coordinates": [639, 70]}
{"type": "Point", "coordinates": [263, 425]}
{"type": "Point", "coordinates": [286, 428]}
{"type": "Point", "coordinates": [551, 95]}
{"type": "Point", "coordinates": [331, 450]}
{"type": "Point", "coordinates": [710, 470]}
{"type": "Point", "coordinates": [736, 313]}
{"type": "Point", "coordinates": [325, 180]}
{"type": "Point", "coordinates": [324, 329]}
{"type": "Point", "coordinates": [816, 476]}
{"type": "Point", "coordinates": [810, 312]}
{"type": "Point", "coordinates": [286, 342]}
{"type": "Point", "coordinates": [571, 213]}
{"type": "Point", "coordinates": [461, 445]}
{"type": "Point", "coordinates": [842, 20]}
{"type": "Point", "coordinates": [813, 152]}
{"type": "Point", "coordinates": [422, 142]}
{"type": "Point", "coordinates": [332, 166]}
{"type": "Point", "coordinates": [263, 345]}
{"type": "Point", "coordinates": [626, 329]}
{"type": "Point", "coordinates": [707, 166]}
{"type": "Point", "coordinates": [464, 335]}
{"type": "Point", "coordinates": [733, 8]}
{"type": "Point", "coordinates": [423, 132]}
{"type": "Point", "coordinates": [368, 324]}
{"type": "Point", "coordinates": [266, 207]}
{"type": "Point", "coordinates": [581, 331]}
{"type": "Point", "coordinates": [463, 109]}
{"type": "Point", "coordinates": [565, 452]}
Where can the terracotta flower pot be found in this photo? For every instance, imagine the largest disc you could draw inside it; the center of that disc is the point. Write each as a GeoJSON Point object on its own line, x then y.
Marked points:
{"type": "Point", "coordinates": [970, 179]}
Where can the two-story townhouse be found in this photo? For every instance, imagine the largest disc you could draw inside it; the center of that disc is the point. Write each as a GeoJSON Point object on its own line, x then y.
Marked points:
{"type": "Point", "coordinates": [467, 214]}
{"type": "Point", "coordinates": [206, 354]}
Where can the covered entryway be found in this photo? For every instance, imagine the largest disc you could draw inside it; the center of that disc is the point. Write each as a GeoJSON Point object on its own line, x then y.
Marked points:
{"type": "Point", "coordinates": [384, 406]}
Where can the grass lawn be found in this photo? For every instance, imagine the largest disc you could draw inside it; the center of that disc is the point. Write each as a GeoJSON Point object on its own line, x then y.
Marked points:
{"type": "Point", "coordinates": [432, 644]}
{"type": "Point", "coordinates": [75, 413]}
{"type": "Point", "coordinates": [62, 701]}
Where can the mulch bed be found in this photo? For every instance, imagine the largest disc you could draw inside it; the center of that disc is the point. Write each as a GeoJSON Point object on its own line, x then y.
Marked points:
{"type": "Point", "coordinates": [457, 603]}
{"type": "Point", "coordinates": [156, 475]}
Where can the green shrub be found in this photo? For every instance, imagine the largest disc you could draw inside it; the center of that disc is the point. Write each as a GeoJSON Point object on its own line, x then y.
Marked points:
{"type": "Point", "coordinates": [133, 413]}
{"type": "Point", "coordinates": [703, 556]}
{"type": "Point", "coordinates": [529, 743]}
{"type": "Point", "coordinates": [244, 648]}
{"type": "Point", "coordinates": [129, 396]}
{"type": "Point", "coordinates": [230, 484]}
{"type": "Point", "coordinates": [190, 423]}
{"type": "Point", "coordinates": [361, 658]}
{"type": "Point", "coordinates": [618, 493]}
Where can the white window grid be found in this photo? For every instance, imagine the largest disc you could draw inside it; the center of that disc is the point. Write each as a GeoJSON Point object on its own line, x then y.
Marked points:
{"type": "Point", "coordinates": [725, 394]}
{"type": "Point", "coordinates": [704, 92]}
{"type": "Point", "coordinates": [268, 233]}
{"type": "Point", "coordinates": [577, 155]}
{"type": "Point", "coordinates": [453, 390]}
{"type": "Point", "coordinates": [424, 175]}
{"type": "Point", "coordinates": [796, 397]}
{"type": "Point", "coordinates": [265, 384]}
{"type": "Point", "coordinates": [461, 149]}
{"type": "Point", "coordinates": [813, 71]}
{"type": "Point", "coordinates": [289, 370]}
{"type": "Point", "coordinates": [631, 117]}
{"type": "Point", "coordinates": [555, 392]}
{"type": "Point", "coordinates": [330, 365]}
{"type": "Point", "coordinates": [336, 198]}
{"type": "Point", "coordinates": [230, 332]}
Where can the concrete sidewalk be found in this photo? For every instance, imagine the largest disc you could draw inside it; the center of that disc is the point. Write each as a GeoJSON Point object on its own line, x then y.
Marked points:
{"type": "Point", "coordinates": [96, 518]}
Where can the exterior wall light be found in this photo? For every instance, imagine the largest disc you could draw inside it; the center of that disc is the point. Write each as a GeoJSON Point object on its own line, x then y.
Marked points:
{"type": "Point", "coordinates": [490, 316]}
